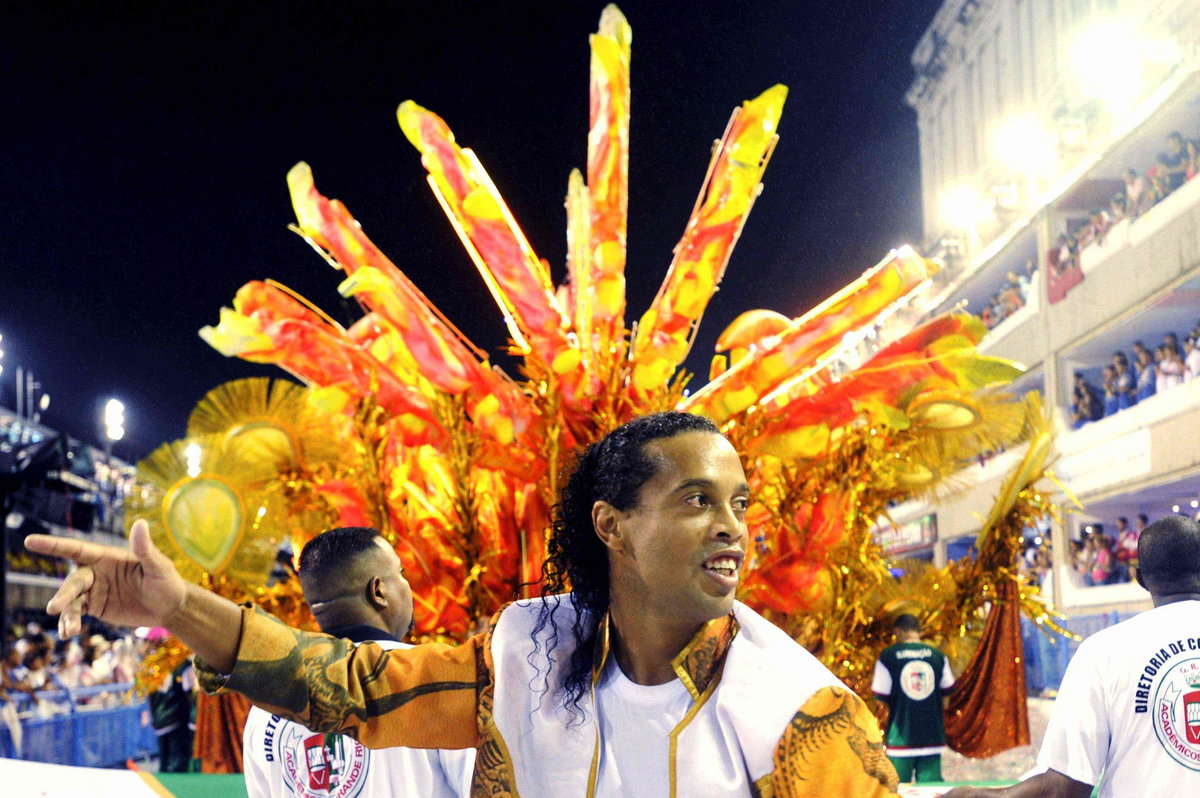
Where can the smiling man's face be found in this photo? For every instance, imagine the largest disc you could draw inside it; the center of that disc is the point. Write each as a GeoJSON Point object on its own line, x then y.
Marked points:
{"type": "Point", "coordinates": [678, 551]}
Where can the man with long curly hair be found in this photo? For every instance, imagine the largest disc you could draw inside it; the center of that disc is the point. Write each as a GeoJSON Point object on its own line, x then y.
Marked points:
{"type": "Point", "coordinates": [647, 679]}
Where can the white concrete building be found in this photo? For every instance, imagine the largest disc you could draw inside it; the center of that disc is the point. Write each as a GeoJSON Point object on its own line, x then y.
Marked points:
{"type": "Point", "coordinates": [1030, 112]}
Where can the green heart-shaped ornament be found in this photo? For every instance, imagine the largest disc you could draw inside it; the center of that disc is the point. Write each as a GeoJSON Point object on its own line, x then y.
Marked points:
{"type": "Point", "coordinates": [204, 517]}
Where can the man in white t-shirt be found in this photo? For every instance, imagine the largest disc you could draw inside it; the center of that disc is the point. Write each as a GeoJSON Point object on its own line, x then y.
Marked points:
{"type": "Point", "coordinates": [1191, 360]}
{"type": "Point", "coordinates": [353, 583]}
{"type": "Point", "coordinates": [1128, 715]}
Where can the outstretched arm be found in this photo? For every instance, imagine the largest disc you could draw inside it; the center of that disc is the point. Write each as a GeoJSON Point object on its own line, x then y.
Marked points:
{"type": "Point", "coordinates": [423, 697]}
{"type": "Point", "coordinates": [140, 587]}
{"type": "Point", "coordinates": [1050, 784]}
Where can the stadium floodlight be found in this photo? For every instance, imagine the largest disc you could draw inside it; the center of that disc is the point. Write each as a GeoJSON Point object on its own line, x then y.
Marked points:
{"type": "Point", "coordinates": [1107, 59]}
{"type": "Point", "coordinates": [114, 420]}
{"type": "Point", "coordinates": [1022, 144]}
{"type": "Point", "coordinates": [965, 208]}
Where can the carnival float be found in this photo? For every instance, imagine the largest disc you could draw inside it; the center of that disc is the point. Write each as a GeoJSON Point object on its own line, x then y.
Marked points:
{"type": "Point", "coordinates": [399, 422]}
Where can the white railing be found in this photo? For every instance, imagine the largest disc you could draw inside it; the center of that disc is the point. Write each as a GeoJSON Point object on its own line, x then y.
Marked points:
{"type": "Point", "coordinates": [1131, 233]}
{"type": "Point", "coordinates": [1117, 449]}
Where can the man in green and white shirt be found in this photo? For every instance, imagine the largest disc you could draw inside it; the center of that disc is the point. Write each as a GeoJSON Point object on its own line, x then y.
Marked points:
{"type": "Point", "coordinates": [912, 678]}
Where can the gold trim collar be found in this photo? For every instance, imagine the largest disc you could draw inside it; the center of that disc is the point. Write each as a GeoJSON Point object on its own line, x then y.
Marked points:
{"type": "Point", "coordinates": [696, 665]}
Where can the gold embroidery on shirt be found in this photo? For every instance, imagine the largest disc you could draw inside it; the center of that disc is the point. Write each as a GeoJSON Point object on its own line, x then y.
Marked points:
{"type": "Point", "coordinates": [832, 744]}
{"type": "Point", "coordinates": [493, 777]}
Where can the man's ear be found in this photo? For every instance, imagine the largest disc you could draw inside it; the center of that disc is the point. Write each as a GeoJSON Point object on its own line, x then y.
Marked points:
{"type": "Point", "coordinates": [606, 521]}
{"type": "Point", "coordinates": [375, 593]}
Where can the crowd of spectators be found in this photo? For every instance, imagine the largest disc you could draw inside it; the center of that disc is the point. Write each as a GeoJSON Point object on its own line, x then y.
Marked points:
{"type": "Point", "coordinates": [1127, 382]}
{"type": "Point", "coordinates": [1142, 191]}
{"type": "Point", "coordinates": [1103, 558]}
{"type": "Point", "coordinates": [1011, 297]}
{"type": "Point", "coordinates": [37, 663]}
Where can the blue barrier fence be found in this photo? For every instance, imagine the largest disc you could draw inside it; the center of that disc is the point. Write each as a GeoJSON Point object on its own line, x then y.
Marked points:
{"type": "Point", "coordinates": [82, 735]}
{"type": "Point", "coordinates": [1047, 655]}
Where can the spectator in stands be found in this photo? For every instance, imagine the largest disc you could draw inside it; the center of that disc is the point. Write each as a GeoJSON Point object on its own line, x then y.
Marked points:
{"type": "Point", "coordinates": [38, 675]}
{"type": "Point", "coordinates": [1010, 297]}
{"type": "Point", "coordinates": [1075, 558]}
{"type": "Point", "coordinates": [1126, 383]}
{"type": "Point", "coordinates": [1086, 404]}
{"type": "Point", "coordinates": [1042, 566]}
{"type": "Point", "coordinates": [1147, 372]}
{"type": "Point", "coordinates": [1117, 573]}
{"type": "Point", "coordinates": [1170, 369]}
{"type": "Point", "coordinates": [72, 669]}
{"type": "Point", "coordinates": [1171, 342]}
{"type": "Point", "coordinates": [1191, 358]}
{"type": "Point", "coordinates": [36, 638]}
{"type": "Point", "coordinates": [1173, 163]}
{"type": "Point", "coordinates": [1139, 194]}
{"type": "Point", "coordinates": [1068, 253]}
{"type": "Point", "coordinates": [1116, 207]}
{"type": "Point", "coordinates": [1127, 540]}
{"type": "Point", "coordinates": [12, 673]}
{"type": "Point", "coordinates": [1000, 308]}
{"type": "Point", "coordinates": [1021, 281]}
{"type": "Point", "coordinates": [1103, 563]}
{"type": "Point", "coordinates": [1111, 401]}
{"type": "Point", "coordinates": [1098, 226]}
{"type": "Point", "coordinates": [101, 660]}
{"type": "Point", "coordinates": [1087, 558]}
{"type": "Point", "coordinates": [125, 660]}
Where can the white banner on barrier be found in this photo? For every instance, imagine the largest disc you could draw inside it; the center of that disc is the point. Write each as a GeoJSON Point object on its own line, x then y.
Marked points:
{"type": "Point", "coordinates": [21, 779]}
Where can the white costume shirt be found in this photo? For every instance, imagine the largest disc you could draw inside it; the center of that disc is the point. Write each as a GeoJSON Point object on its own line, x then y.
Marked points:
{"type": "Point", "coordinates": [635, 731]}
{"type": "Point", "coordinates": [717, 746]}
{"type": "Point", "coordinates": [1130, 707]}
{"type": "Point", "coordinates": [283, 759]}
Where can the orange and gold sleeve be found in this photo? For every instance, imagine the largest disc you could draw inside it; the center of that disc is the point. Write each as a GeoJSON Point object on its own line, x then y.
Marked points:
{"type": "Point", "coordinates": [421, 697]}
{"type": "Point", "coordinates": [832, 746]}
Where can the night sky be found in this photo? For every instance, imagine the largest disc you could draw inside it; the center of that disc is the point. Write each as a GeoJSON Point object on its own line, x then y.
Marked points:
{"type": "Point", "coordinates": [142, 165]}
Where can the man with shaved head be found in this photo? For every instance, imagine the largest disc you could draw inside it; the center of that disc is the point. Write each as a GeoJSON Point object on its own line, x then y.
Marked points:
{"type": "Point", "coordinates": [355, 586]}
{"type": "Point", "coordinates": [1130, 701]}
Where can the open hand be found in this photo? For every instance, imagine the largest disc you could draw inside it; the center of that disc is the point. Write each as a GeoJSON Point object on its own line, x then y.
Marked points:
{"type": "Point", "coordinates": [138, 586]}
